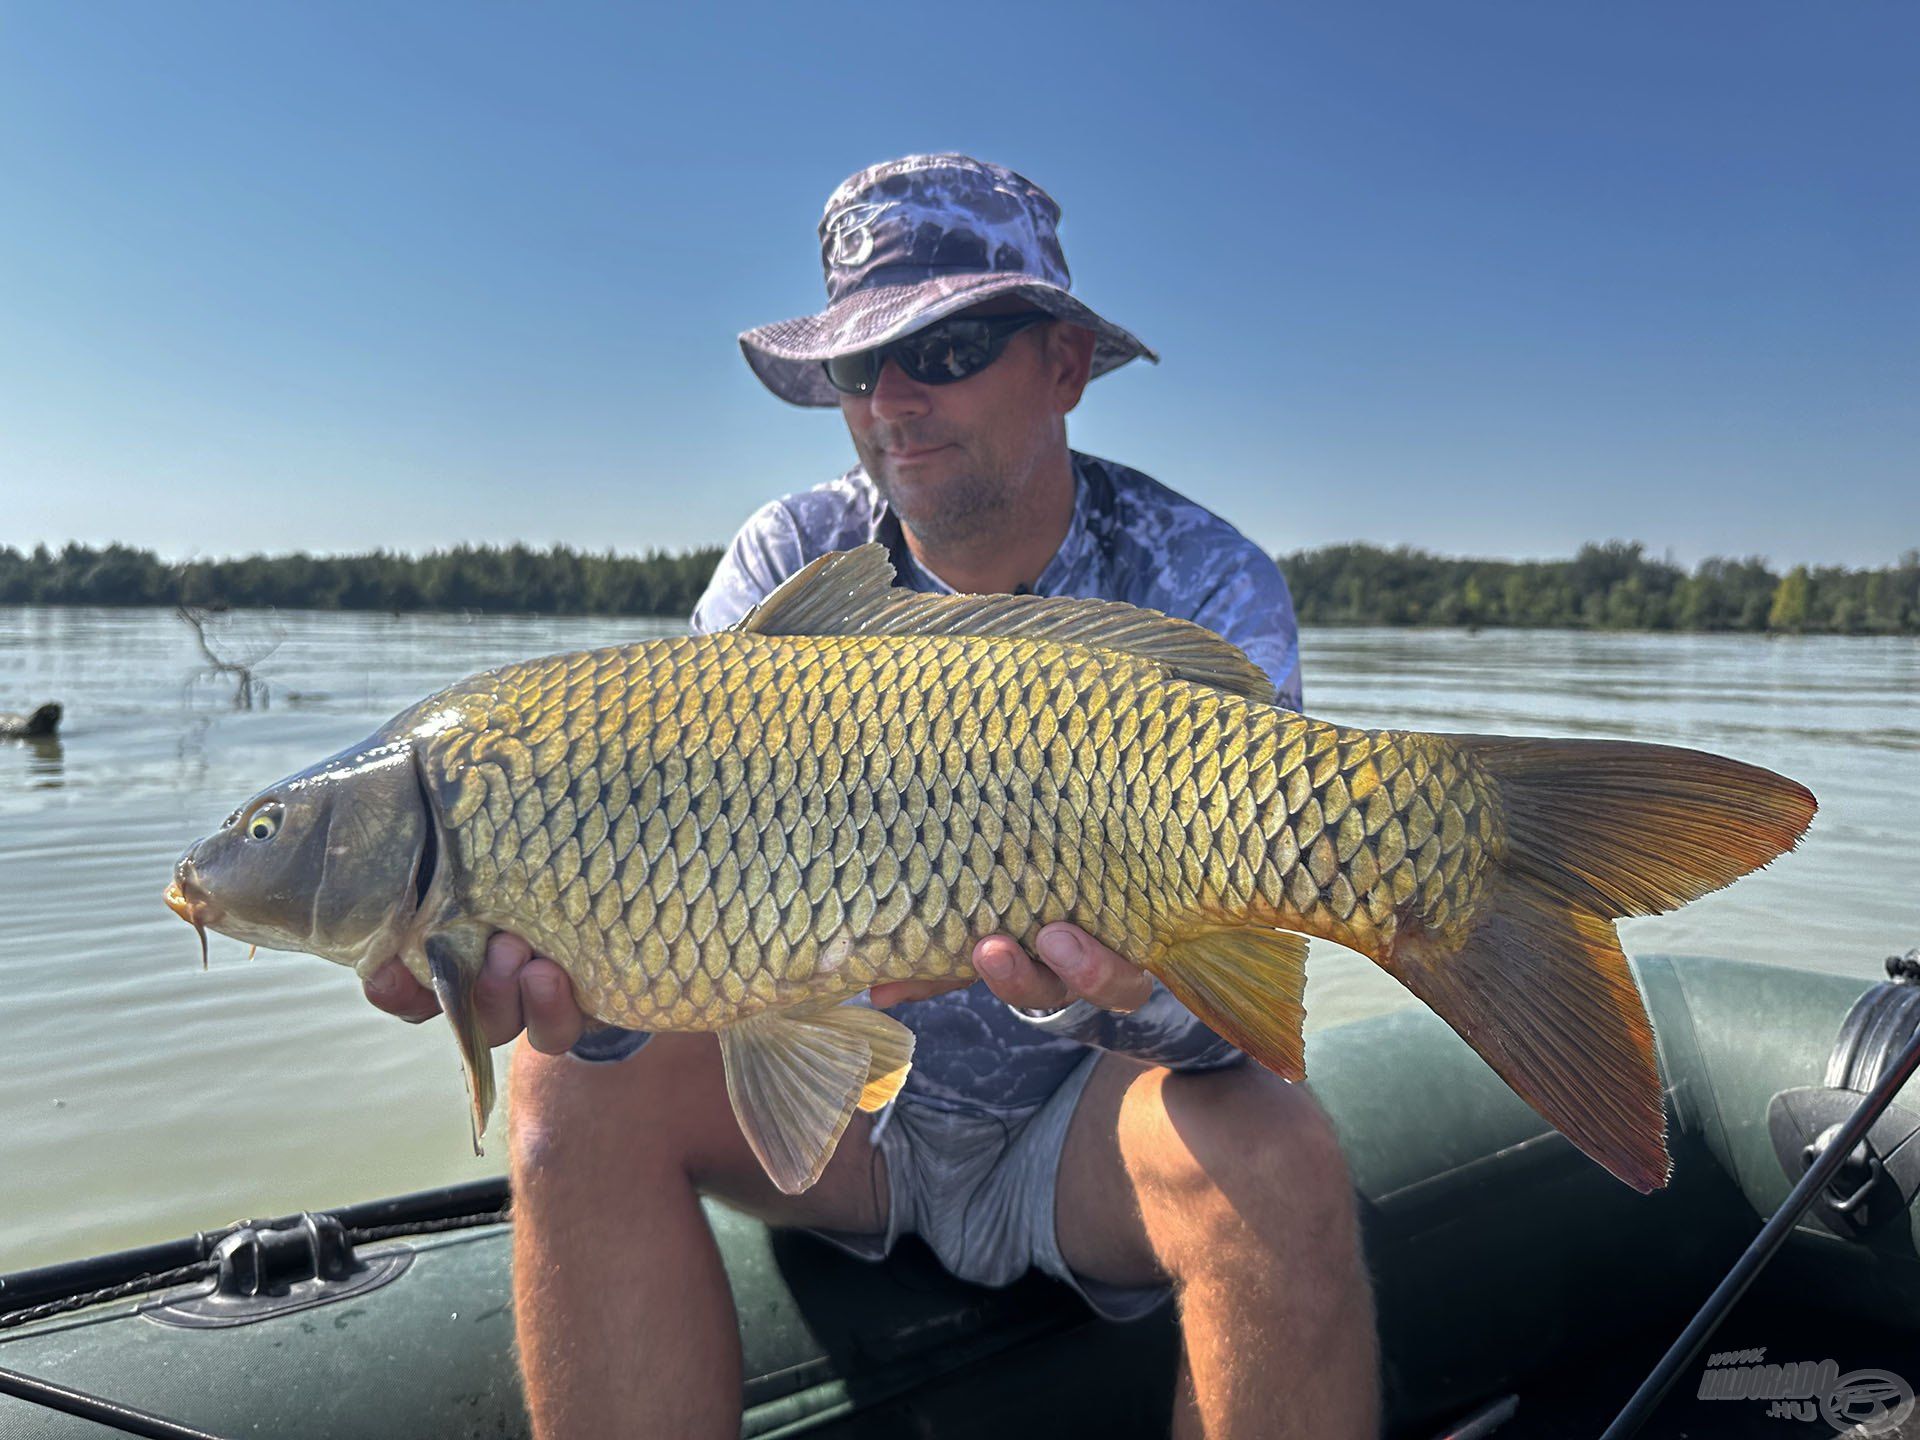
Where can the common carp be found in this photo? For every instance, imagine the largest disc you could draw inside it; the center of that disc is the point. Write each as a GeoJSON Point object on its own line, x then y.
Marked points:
{"type": "Point", "coordinates": [736, 832]}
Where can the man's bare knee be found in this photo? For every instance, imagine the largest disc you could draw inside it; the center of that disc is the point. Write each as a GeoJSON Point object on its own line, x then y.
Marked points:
{"type": "Point", "coordinates": [612, 1125]}
{"type": "Point", "coordinates": [1257, 1161]}
{"type": "Point", "coordinates": [586, 1135]}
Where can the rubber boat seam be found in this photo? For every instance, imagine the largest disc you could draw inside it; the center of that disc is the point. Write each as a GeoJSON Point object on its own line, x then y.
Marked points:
{"type": "Point", "coordinates": [1444, 1177]}
{"type": "Point", "coordinates": [1712, 1105]}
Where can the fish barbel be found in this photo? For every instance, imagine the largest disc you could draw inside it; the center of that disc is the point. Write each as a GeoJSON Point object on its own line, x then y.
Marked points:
{"type": "Point", "coordinates": [735, 832]}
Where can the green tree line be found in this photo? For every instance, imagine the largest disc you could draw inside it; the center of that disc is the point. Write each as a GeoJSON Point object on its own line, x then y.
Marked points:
{"type": "Point", "coordinates": [1615, 586]}
{"type": "Point", "coordinates": [509, 579]}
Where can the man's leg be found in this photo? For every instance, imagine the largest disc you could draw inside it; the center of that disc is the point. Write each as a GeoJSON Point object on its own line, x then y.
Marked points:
{"type": "Point", "coordinates": [624, 1319]}
{"type": "Point", "coordinates": [1230, 1184]}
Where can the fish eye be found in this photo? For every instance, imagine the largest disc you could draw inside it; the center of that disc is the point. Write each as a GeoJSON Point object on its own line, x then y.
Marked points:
{"type": "Point", "coordinates": [265, 823]}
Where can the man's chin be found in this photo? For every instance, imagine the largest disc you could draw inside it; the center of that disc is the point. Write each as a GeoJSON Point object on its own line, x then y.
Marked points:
{"type": "Point", "coordinates": [922, 469]}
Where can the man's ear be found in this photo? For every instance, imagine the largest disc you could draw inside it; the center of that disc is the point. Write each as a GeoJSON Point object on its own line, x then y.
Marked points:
{"type": "Point", "coordinates": [1069, 362]}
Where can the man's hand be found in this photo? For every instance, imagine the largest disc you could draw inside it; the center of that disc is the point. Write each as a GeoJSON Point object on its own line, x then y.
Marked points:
{"type": "Point", "coordinates": [517, 990]}
{"type": "Point", "coordinates": [1072, 965]}
{"type": "Point", "coordinates": [520, 990]}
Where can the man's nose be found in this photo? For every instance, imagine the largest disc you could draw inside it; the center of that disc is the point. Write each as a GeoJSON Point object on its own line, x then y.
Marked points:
{"type": "Point", "coordinates": [895, 396]}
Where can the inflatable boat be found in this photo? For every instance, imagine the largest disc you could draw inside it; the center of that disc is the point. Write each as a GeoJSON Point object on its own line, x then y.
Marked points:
{"type": "Point", "coordinates": [1521, 1291]}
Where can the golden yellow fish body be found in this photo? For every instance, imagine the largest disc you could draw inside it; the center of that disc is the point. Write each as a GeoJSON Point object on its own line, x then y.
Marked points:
{"type": "Point", "coordinates": [700, 828]}
{"type": "Point", "coordinates": [733, 832]}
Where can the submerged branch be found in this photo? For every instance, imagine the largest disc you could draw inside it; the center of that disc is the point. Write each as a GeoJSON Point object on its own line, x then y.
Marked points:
{"type": "Point", "coordinates": [247, 685]}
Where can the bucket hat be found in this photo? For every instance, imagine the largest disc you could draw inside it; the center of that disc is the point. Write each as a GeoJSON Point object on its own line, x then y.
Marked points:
{"type": "Point", "coordinates": [910, 241]}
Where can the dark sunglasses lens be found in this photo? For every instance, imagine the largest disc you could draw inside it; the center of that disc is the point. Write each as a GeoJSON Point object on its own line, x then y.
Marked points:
{"type": "Point", "coordinates": [853, 374]}
{"type": "Point", "coordinates": [944, 353]}
{"type": "Point", "coordinates": [939, 355]}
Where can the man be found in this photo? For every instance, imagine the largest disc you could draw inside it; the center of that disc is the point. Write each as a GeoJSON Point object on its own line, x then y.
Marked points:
{"type": "Point", "coordinates": [1069, 1114]}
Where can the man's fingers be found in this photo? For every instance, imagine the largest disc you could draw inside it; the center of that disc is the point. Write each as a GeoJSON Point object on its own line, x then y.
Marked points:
{"type": "Point", "coordinates": [1071, 964]}
{"type": "Point", "coordinates": [1091, 970]}
{"type": "Point", "coordinates": [515, 990]}
{"type": "Point", "coordinates": [1012, 975]}
{"type": "Point", "coordinates": [554, 1021]}
{"type": "Point", "coordinates": [393, 989]}
{"type": "Point", "coordinates": [496, 993]}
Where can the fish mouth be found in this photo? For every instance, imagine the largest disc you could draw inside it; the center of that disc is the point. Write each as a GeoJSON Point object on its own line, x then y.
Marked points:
{"type": "Point", "coordinates": [187, 900]}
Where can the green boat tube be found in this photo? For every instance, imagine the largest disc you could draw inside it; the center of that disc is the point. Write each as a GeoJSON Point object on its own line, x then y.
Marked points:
{"type": "Point", "coordinates": [1520, 1289]}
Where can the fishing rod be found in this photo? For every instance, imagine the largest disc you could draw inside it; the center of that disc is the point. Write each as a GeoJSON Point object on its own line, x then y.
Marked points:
{"type": "Point", "coordinates": [1772, 1235]}
{"type": "Point", "coordinates": [111, 1413]}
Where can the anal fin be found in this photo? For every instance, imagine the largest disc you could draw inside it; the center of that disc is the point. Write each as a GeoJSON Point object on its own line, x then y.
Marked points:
{"type": "Point", "coordinates": [454, 958]}
{"type": "Point", "coordinates": [796, 1076]}
{"type": "Point", "coordinates": [1248, 983]}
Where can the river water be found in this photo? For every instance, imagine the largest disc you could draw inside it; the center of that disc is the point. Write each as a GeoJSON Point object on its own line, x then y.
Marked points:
{"type": "Point", "coordinates": [142, 1097]}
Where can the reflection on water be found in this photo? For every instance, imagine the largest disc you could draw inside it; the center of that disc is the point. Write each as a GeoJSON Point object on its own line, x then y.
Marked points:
{"type": "Point", "coordinates": [43, 769]}
{"type": "Point", "coordinates": [141, 1098]}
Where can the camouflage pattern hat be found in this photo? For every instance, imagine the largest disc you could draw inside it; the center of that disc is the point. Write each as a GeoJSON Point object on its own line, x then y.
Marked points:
{"type": "Point", "coordinates": [910, 241]}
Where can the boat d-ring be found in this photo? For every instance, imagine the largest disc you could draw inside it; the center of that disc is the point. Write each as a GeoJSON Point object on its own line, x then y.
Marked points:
{"type": "Point", "coordinates": [1859, 1174]}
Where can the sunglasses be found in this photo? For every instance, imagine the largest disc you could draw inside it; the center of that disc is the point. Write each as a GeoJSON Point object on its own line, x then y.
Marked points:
{"type": "Point", "coordinates": [942, 354]}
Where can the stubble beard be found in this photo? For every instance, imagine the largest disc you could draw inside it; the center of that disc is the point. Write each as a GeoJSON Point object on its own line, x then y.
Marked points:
{"type": "Point", "coordinates": [956, 513]}
{"type": "Point", "coordinates": [958, 510]}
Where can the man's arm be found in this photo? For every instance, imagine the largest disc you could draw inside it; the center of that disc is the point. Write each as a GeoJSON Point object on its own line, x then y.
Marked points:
{"type": "Point", "coordinates": [1252, 607]}
{"type": "Point", "coordinates": [766, 551]}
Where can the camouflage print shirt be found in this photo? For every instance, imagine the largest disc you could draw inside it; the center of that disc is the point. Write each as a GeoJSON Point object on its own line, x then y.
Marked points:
{"type": "Point", "coordinates": [1130, 539]}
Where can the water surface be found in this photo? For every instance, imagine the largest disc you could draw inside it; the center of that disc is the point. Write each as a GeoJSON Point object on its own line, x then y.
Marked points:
{"type": "Point", "coordinates": [142, 1098]}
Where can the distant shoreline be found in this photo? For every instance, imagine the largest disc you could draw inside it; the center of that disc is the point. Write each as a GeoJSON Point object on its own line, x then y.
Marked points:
{"type": "Point", "coordinates": [1612, 586]}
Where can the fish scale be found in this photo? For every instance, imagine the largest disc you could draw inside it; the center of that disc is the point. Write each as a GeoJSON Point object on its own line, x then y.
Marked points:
{"type": "Point", "coordinates": [734, 832]}
{"type": "Point", "coordinates": [741, 865]}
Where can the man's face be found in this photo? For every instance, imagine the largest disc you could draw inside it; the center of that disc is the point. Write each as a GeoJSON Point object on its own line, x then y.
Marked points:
{"type": "Point", "coordinates": [950, 458]}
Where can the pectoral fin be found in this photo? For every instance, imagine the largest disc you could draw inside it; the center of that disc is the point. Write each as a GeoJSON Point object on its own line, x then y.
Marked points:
{"type": "Point", "coordinates": [1248, 984]}
{"type": "Point", "coordinates": [455, 958]}
{"type": "Point", "coordinates": [796, 1076]}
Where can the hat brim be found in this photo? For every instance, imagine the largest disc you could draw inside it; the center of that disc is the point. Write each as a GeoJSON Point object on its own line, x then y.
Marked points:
{"type": "Point", "coordinates": [787, 355]}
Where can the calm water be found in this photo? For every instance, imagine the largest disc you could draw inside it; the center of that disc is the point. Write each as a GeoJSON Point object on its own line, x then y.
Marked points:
{"type": "Point", "coordinates": [142, 1098]}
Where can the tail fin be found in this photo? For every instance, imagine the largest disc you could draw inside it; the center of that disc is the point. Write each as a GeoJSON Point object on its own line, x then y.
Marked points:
{"type": "Point", "coordinates": [1594, 830]}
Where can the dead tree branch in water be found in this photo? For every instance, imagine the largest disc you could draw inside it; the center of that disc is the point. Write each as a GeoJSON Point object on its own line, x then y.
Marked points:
{"type": "Point", "coordinates": [247, 685]}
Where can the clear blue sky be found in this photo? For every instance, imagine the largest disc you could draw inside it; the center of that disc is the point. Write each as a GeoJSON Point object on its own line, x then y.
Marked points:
{"type": "Point", "coordinates": [1490, 278]}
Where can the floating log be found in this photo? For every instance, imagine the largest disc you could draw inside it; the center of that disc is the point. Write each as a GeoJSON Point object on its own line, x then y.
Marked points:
{"type": "Point", "coordinates": [41, 722]}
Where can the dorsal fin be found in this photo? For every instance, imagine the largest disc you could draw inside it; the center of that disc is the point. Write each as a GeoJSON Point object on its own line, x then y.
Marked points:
{"type": "Point", "coordinates": [851, 592]}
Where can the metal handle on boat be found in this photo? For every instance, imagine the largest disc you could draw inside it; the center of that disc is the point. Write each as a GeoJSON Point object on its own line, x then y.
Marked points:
{"type": "Point", "coordinates": [1863, 1160]}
